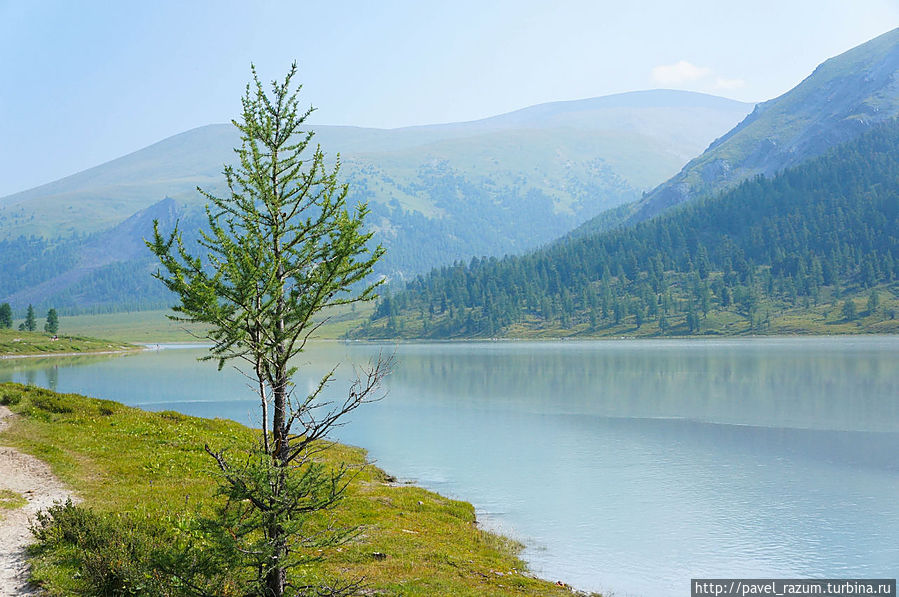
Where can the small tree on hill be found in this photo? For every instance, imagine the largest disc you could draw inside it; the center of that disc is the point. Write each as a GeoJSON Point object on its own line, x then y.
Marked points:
{"type": "Point", "coordinates": [850, 312]}
{"type": "Point", "coordinates": [52, 325]}
{"type": "Point", "coordinates": [873, 302]}
{"type": "Point", "coordinates": [281, 247]}
{"type": "Point", "coordinates": [5, 316]}
{"type": "Point", "coordinates": [30, 323]}
{"type": "Point", "coordinates": [664, 326]}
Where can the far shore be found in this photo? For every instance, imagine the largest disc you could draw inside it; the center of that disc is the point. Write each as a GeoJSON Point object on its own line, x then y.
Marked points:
{"type": "Point", "coordinates": [69, 354]}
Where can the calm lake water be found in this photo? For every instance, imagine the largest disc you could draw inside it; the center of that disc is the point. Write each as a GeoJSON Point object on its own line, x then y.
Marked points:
{"type": "Point", "coordinates": [623, 466]}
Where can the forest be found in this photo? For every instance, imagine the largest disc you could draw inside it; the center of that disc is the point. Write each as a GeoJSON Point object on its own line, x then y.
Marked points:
{"type": "Point", "coordinates": [811, 233]}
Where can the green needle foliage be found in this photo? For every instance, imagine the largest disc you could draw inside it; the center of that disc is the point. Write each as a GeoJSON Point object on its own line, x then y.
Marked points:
{"type": "Point", "coordinates": [5, 316]}
{"type": "Point", "coordinates": [281, 247]}
{"type": "Point", "coordinates": [52, 325]}
{"type": "Point", "coordinates": [30, 323]}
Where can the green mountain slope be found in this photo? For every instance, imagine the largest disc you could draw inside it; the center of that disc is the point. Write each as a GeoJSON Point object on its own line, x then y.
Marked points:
{"type": "Point", "coordinates": [640, 139]}
{"type": "Point", "coordinates": [437, 193]}
{"type": "Point", "coordinates": [814, 248]}
{"type": "Point", "coordinates": [841, 99]}
{"type": "Point", "coordinates": [108, 270]}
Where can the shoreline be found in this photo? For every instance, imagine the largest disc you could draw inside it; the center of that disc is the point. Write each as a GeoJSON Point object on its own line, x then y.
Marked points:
{"type": "Point", "coordinates": [69, 354]}
{"type": "Point", "coordinates": [407, 511]}
{"type": "Point", "coordinates": [610, 339]}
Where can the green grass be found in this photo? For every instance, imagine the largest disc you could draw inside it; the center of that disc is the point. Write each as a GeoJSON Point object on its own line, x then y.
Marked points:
{"type": "Point", "coordinates": [154, 327]}
{"type": "Point", "coordinates": [138, 326]}
{"type": "Point", "coordinates": [124, 460]}
{"type": "Point", "coordinates": [10, 500]}
{"type": "Point", "coordinates": [15, 342]}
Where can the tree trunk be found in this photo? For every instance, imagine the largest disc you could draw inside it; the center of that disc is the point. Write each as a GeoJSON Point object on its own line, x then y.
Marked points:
{"type": "Point", "coordinates": [276, 578]}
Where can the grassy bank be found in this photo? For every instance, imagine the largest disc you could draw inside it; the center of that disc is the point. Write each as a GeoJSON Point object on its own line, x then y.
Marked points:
{"type": "Point", "coordinates": [18, 343]}
{"type": "Point", "coordinates": [152, 465]}
{"type": "Point", "coordinates": [156, 327]}
{"type": "Point", "coordinates": [824, 317]}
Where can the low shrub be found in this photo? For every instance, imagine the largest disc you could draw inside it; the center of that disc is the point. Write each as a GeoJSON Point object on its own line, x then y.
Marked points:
{"type": "Point", "coordinates": [51, 404]}
{"type": "Point", "coordinates": [10, 396]}
{"type": "Point", "coordinates": [119, 554]}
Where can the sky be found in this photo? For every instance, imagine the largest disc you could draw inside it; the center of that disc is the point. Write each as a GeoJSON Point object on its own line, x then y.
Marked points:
{"type": "Point", "coordinates": [86, 81]}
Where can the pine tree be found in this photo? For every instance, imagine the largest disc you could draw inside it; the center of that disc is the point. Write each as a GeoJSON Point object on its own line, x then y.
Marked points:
{"type": "Point", "coordinates": [873, 302]}
{"type": "Point", "coordinates": [850, 312]}
{"type": "Point", "coordinates": [5, 316]}
{"type": "Point", "coordinates": [30, 322]}
{"type": "Point", "coordinates": [664, 326]}
{"type": "Point", "coordinates": [52, 325]}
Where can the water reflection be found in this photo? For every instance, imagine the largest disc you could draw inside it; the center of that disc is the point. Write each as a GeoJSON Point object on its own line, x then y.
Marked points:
{"type": "Point", "coordinates": [794, 383]}
{"type": "Point", "coordinates": [629, 466]}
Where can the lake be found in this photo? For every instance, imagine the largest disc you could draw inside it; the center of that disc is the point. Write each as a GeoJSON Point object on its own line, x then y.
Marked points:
{"type": "Point", "coordinates": [623, 466]}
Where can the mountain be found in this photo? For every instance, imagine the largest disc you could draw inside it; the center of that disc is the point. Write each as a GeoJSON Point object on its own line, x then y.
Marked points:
{"type": "Point", "coordinates": [814, 248]}
{"type": "Point", "coordinates": [841, 99]}
{"type": "Point", "coordinates": [107, 268]}
{"type": "Point", "coordinates": [437, 193]}
{"type": "Point", "coordinates": [634, 140]}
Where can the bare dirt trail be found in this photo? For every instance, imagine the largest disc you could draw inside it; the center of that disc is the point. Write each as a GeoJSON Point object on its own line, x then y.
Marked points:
{"type": "Point", "coordinates": [32, 479]}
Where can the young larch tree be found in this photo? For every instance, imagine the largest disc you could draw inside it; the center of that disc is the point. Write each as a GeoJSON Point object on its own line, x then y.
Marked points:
{"type": "Point", "coordinates": [282, 246]}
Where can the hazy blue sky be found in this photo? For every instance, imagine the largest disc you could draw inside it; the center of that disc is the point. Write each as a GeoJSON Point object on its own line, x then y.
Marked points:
{"type": "Point", "coordinates": [87, 81]}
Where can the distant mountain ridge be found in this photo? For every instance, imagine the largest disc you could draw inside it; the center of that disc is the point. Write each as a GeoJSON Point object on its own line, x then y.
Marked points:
{"type": "Point", "coordinates": [437, 193]}
{"type": "Point", "coordinates": [841, 99]}
{"type": "Point", "coordinates": [663, 128]}
{"type": "Point", "coordinates": [91, 269]}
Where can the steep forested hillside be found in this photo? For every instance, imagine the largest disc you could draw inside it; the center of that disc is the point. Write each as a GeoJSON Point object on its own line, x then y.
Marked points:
{"type": "Point", "coordinates": [102, 271]}
{"type": "Point", "coordinates": [806, 243]}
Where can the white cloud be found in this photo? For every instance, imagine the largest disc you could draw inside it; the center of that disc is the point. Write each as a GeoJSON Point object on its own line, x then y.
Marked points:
{"type": "Point", "coordinates": [683, 74]}
{"type": "Point", "coordinates": [722, 83]}
{"type": "Point", "coordinates": [678, 73]}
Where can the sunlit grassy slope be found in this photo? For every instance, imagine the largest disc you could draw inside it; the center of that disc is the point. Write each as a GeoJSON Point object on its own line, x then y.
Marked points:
{"type": "Point", "coordinates": [15, 342]}
{"type": "Point", "coordinates": [661, 128]}
{"type": "Point", "coordinates": [125, 460]}
{"type": "Point", "coordinates": [154, 327]}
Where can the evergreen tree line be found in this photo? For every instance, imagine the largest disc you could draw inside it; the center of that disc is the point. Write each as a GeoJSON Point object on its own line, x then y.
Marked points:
{"type": "Point", "coordinates": [28, 261]}
{"type": "Point", "coordinates": [30, 323]}
{"type": "Point", "coordinates": [831, 223]}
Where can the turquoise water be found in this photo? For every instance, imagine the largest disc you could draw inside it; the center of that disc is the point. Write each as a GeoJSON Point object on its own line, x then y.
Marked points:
{"type": "Point", "coordinates": [624, 466]}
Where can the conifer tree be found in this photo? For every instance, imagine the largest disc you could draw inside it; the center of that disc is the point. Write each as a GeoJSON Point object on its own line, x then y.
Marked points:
{"type": "Point", "coordinates": [850, 312]}
{"type": "Point", "coordinates": [281, 247]}
{"type": "Point", "coordinates": [52, 325]}
{"type": "Point", "coordinates": [873, 302]}
{"type": "Point", "coordinates": [5, 316]}
{"type": "Point", "coordinates": [30, 322]}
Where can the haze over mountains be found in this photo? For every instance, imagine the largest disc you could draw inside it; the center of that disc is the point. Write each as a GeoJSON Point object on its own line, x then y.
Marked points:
{"type": "Point", "coordinates": [437, 193]}
{"type": "Point", "coordinates": [501, 185]}
{"type": "Point", "coordinates": [841, 99]}
{"type": "Point", "coordinates": [769, 254]}
{"type": "Point", "coordinates": [747, 244]}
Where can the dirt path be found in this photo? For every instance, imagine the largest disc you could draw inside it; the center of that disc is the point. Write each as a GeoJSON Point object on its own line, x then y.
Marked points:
{"type": "Point", "coordinates": [32, 479]}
